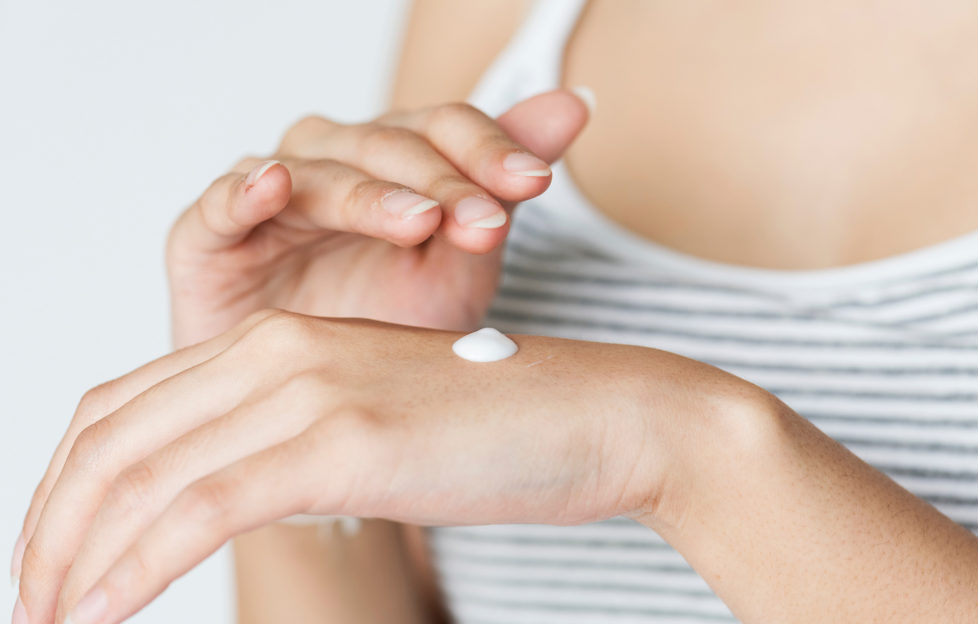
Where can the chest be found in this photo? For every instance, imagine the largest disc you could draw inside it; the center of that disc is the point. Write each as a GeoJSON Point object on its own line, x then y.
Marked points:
{"type": "Point", "coordinates": [780, 134]}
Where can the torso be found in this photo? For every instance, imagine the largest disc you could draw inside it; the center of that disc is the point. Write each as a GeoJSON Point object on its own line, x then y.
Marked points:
{"type": "Point", "coordinates": [785, 135]}
{"type": "Point", "coordinates": [788, 135]}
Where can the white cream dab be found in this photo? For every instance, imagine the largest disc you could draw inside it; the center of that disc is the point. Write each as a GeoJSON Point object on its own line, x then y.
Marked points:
{"type": "Point", "coordinates": [485, 345]}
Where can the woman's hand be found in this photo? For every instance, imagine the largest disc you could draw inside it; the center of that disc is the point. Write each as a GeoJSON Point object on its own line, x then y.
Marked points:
{"type": "Point", "coordinates": [290, 414]}
{"type": "Point", "coordinates": [400, 219]}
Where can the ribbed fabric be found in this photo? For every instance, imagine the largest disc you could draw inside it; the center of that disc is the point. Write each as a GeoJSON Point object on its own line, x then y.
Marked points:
{"type": "Point", "coordinates": [882, 356]}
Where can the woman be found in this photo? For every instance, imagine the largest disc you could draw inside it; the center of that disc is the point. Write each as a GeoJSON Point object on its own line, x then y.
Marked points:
{"type": "Point", "coordinates": [783, 190]}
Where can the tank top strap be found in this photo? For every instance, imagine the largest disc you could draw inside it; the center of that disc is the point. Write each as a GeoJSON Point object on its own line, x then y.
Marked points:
{"type": "Point", "coordinates": [531, 61]}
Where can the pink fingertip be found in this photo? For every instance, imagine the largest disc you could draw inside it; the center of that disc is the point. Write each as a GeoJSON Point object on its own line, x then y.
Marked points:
{"type": "Point", "coordinates": [255, 174]}
{"type": "Point", "coordinates": [405, 204]}
{"type": "Point", "coordinates": [523, 164]}
{"type": "Point", "coordinates": [476, 212]}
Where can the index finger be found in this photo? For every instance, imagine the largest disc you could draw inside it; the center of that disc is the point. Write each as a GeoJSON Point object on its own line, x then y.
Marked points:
{"type": "Point", "coordinates": [103, 400]}
{"type": "Point", "coordinates": [252, 492]}
{"type": "Point", "coordinates": [479, 148]}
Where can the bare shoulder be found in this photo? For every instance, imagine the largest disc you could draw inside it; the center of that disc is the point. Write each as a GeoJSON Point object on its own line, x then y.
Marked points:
{"type": "Point", "coordinates": [448, 44]}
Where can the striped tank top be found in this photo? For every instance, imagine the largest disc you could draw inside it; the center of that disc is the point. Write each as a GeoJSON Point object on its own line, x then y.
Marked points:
{"type": "Point", "coordinates": [882, 356]}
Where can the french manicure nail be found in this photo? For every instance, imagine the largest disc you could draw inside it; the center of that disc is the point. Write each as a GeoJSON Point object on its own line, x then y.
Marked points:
{"type": "Point", "coordinates": [90, 609]}
{"type": "Point", "coordinates": [258, 172]}
{"type": "Point", "coordinates": [405, 204]}
{"type": "Point", "coordinates": [16, 560]}
{"type": "Point", "coordinates": [20, 614]}
{"type": "Point", "coordinates": [587, 96]}
{"type": "Point", "coordinates": [475, 212]}
{"type": "Point", "coordinates": [521, 163]}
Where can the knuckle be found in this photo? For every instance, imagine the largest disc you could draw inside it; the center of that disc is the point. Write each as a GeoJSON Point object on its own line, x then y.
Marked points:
{"type": "Point", "coordinates": [287, 330]}
{"type": "Point", "coordinates": [306, 385]}
{"type": "Point", "coordinates": [257, 317]}
{"type": "Point", "coordinates": [132, 489]}
{"type": "Point", "coordinates": [378, 138]}
{"type": "Point", "coordinates": [299, 132]}
{"type": "Point", "coordinates": [96, 402]}
{"type": "Point", "coordinates": [91, 448]}
{"type": "Point", "coordinates": [208, 501]}
{"type": "Point", "coordinates": [309, 123]}
{"type": "Point", "coordinates": [451, 112]}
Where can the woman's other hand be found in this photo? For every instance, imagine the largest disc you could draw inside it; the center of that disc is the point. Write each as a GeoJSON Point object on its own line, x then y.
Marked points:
{"type": "Point", "coordinates": [400, 219]}
{"type": "Point", "coordinates": [290, 414]}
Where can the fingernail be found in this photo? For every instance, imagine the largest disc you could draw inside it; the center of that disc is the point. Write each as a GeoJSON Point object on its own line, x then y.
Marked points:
{"type": "Point", "coordinates": [89, 609]}
{"type": "Point", "coordinates": [406, 204]}
{"type": "Point", "coordinates": [521, 163]}
{"type": "Point", "coordinates": [475, 212]}
{"type": "Point", "coordinates": [16, 560]}
{"type": "Point", "coordinates": [258, 172]}
{"type": "Point", "coordinates": [587, 96]}
{"type": "Point", "coordinates": [20, 614]}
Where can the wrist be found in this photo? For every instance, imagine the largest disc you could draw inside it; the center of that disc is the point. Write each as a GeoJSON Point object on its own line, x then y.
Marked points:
{"type": "Point", "coordinates": [725, 427]}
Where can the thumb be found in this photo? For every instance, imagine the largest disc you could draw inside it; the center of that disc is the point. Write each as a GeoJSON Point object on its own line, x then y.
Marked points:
{"type": "Point", "coordinates": [232, 206]}
{"type": "Point", "coordinates": [549, 122]}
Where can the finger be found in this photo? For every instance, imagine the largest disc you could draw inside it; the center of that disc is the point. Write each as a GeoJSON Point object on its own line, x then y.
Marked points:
{"type": "Point", "coordinates": [482, 148]}
{"type": "Point", "coordinates": [333, 196]}
{"type": "Point", "coordinates": [151, 419]}
{"type": "Point", "coordinates": [232, 206]}
{"type": "Point", "coordinates": [547, 123]}
{"type": "Point", "coordinates": [475, 221]}
{"type": "Point", "coordinates": [143, 490]}
{"type": "Point", "coordinates": [100, 452]}
{"type": "Point", "coordinates": [501, 154]}
{"type": "Point", "coordinates": [278, 482]}
{"type": "Point", "coordinates": [109, 397]}
{"type": "Point", "coordinates": [326, 195]}
{"type": "Point", "coordinates": [478, 147]}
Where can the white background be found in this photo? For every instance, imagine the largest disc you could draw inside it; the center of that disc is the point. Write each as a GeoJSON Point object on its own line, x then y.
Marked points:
{"type": "Point", "coordinates": [114, 115]}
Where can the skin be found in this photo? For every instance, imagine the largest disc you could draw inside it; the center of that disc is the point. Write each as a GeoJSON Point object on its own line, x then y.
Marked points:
{"type": "Point", "coordinates": [346, 417]}
{"type": "Point", "coordinates": [276, 241]}
{"type": "Point", "coordinates": [758, 504]}
{"type": "Point", "coordinates": [831, 133]}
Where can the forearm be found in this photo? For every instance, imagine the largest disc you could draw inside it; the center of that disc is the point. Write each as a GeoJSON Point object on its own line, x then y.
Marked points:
{"type": "Point", "coordinates": [291, 574]}
{"type": "Point", "coordinates": [787, 525]}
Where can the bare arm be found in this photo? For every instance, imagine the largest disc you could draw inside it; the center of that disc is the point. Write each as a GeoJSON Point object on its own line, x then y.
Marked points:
{"type": "Point", "coordinates": [787, 525]}
{"type": "Point", "coordinates": [285, 573]}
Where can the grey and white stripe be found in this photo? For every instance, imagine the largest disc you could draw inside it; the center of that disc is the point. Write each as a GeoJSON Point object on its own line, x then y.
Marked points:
{"type": "Point", "coordinates": [881, 356]}
{"type": "Point", "coordinates": [888, 367]}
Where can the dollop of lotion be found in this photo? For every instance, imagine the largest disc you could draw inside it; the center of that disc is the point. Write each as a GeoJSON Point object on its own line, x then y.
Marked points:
{"type": "Point", "coordinates": [485, 345]}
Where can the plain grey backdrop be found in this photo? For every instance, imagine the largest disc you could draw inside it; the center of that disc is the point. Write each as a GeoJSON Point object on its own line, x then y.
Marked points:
{"type": "Point", "coordinates": [114, 116]}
